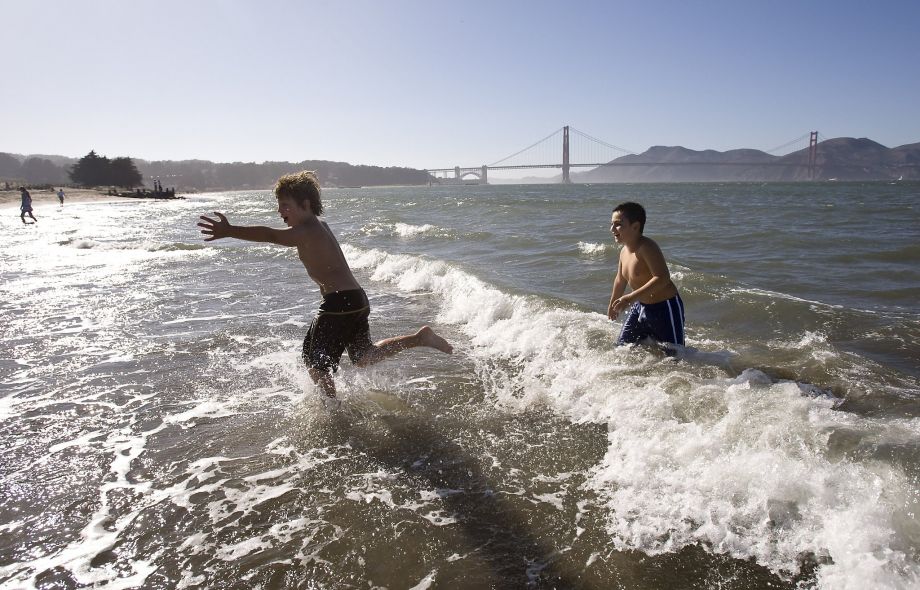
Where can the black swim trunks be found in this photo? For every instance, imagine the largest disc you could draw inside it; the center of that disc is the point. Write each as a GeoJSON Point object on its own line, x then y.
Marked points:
{"type": "Point", "coordinates": [339, 325]}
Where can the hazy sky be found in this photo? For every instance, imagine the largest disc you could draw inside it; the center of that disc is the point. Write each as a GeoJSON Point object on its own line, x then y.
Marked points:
{"type": "Point", "coordinates": [429, 83]}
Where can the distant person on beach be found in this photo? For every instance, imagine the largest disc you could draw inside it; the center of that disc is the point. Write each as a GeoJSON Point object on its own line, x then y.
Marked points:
{"type": "Point", "coordinates": [655, 309]}
{"type": "Point", "coordinates": [61, 196]}
{"type": "Point", "coordinates": [26, 206]}
{"type": "Point", "coordinates": [341, 323]}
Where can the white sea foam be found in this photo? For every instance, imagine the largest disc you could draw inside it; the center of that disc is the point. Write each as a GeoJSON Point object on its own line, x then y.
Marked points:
{"type": "Point", "coordinates": [738, 465]}
{"type": "Point", "coordinates": [406, 230]}
{"type": "Point", "coordinates": [403, 230]}
{"type": "Point", "coordinates": [772, 295]}
{"type": "Point", "coordinates": [426, 582]}
{"type": "Point", "coordinates": [102, 530]}
{"type": "Point", "coordinates": [593, 249]}
{"type": "Point", "coordinates": [146, 245]}
{"type": "Point", "coordinates": [203, 409]}
{"type": "Point", "coordinates": [554, 499]}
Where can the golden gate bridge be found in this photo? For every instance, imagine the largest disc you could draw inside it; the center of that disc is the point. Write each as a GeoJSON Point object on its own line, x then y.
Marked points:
{"type": "Point", "coordinates": [580, 150]}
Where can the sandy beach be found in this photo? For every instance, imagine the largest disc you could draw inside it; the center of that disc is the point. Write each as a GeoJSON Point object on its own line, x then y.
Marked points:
{"type": "Point", "coordinates": [45, 197]}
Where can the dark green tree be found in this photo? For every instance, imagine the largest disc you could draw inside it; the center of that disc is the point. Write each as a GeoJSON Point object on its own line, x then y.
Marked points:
{"type": "Point", "coordinates": [92, 170]}
{"type": "Point", "coordinates": [124, 173]}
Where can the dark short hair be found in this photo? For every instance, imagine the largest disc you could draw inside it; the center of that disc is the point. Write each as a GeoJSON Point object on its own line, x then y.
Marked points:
{"type": "Point", "coordinates": [633, 212]}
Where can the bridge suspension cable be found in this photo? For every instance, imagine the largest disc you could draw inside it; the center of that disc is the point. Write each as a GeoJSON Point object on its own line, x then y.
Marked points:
{"type": "Point", "coordinates": [533, 145]}
{"type": "Point", "coordinates": [600, 141]}
{"type": "Point", "coordinates": [797, 140]}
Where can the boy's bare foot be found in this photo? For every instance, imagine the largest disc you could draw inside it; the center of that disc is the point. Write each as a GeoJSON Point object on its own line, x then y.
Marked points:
{"type": "Point", "coordinates": [427, 337]}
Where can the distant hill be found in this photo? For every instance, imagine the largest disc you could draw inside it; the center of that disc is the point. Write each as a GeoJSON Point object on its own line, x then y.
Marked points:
{"type": "Point", "coordinates": [843, 158]}
{"type": "Point", "coordinates": [206, 175]}
{"type": "Point", "coordinates": [202, 175]}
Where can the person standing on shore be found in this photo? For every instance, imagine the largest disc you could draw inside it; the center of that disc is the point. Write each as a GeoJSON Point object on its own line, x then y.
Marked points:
{"type": "Point", "coordinates": [26, 206]}
{"type": "Point", "coordinates": [61, 196]}
{"type": "Point", "coordinates": [655, 309]}
{"type": "Point", "coordinates": [341, 322]}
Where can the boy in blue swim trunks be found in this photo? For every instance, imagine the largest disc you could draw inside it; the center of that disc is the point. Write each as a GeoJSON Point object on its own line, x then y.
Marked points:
{"type": "Point", "coordinates": [341, 322]}
{"type": "Point", "coordinates": [654, 309]}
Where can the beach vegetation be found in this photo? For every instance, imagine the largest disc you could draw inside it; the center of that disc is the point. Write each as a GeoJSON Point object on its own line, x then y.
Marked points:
{"type": "Point", "coordinates": [95, 170]}
{"type": "Point", "coordinates": [125, 173]}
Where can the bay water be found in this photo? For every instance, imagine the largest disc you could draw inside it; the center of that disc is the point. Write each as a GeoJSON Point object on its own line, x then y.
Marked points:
{"type": "Point", "coordinates": [159, 429]}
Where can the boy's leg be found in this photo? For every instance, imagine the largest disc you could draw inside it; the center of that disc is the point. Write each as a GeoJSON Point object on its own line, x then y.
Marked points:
{"type": "Point", "coordinates": [321, 352]}
{"type": "Point", "coordinates": [390, 346]}
{"type": "Point", "coordinates": [324, 380]}
{"type": "Point", "coordinates": [631, 332]}
{"type": "Point", "coordinates": [667, 321]}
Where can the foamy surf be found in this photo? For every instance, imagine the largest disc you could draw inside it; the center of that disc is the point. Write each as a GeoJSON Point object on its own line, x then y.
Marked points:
{"type": "Point", "coordinates": [739, 465]}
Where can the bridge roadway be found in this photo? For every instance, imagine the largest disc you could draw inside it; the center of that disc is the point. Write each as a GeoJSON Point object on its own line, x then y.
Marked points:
{"type": "Point", "coordinates": [525, 166]}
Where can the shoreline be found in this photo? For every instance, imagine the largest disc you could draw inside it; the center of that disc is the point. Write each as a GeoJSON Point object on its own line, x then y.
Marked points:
{"type": "Point", "coordinates": [10, 199]}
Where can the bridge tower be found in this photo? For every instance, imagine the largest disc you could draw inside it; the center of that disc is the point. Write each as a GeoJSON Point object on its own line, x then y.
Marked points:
{"type": "Point", "coordinates": [812, 154]}
{"type": "Point", "coordinates": [565, 155]}
{"type": "Point", "coordinates": [484, 178]}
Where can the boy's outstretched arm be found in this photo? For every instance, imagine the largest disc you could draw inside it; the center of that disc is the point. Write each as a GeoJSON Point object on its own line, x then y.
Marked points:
{"type": "Point", "coordinates": [219, 228]}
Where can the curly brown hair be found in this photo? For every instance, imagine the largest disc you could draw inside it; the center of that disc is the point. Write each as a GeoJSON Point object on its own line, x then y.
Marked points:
{"type": "Point", "coordinates": [301, 186]}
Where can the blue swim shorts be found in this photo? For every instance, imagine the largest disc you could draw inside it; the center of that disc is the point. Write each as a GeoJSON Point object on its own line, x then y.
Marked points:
{"type": "Point", "coordinates": [662, 322]}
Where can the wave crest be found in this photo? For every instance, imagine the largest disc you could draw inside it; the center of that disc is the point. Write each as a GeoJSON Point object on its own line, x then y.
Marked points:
{"type": "Point", "coordinates": [593, 249]}
{"type": "Point", "coordinates": [404, 230]}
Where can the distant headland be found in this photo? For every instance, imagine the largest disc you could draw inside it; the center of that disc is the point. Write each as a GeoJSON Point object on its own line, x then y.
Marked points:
{"type": "Point", "coordinates": [842, 158]}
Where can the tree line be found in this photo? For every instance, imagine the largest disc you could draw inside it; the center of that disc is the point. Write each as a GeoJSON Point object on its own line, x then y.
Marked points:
{"type": "Point", "coordinates": [90, 170]}
{"type": "Point", "coordinates": [34, 170]}
{"type": "Point", "coordinates": [201, 175]}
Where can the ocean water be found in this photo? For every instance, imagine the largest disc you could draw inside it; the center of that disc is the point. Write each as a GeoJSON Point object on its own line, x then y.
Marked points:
{"type": "Point", "coordinates": [160, 431]}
